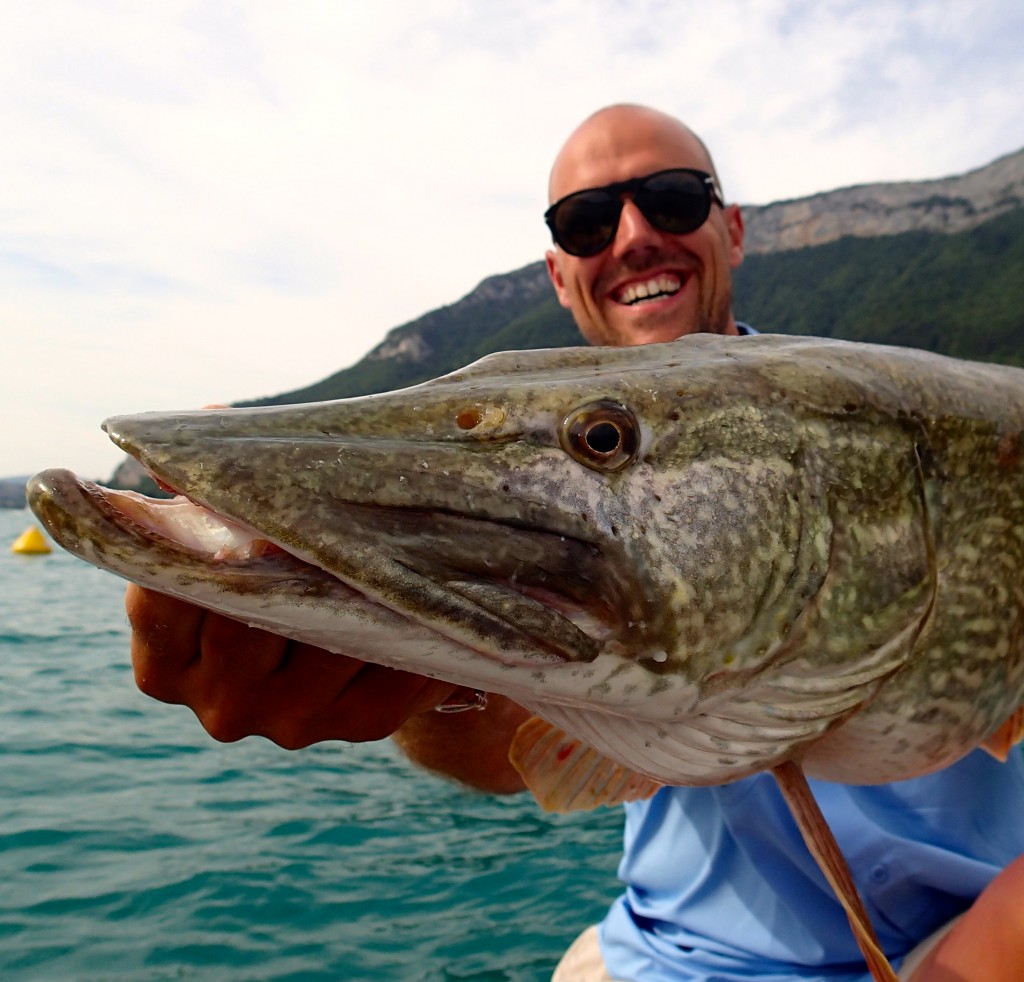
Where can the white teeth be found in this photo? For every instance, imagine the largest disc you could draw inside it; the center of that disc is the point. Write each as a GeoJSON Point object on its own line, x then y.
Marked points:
{"type": "Point", "coordinates": [658, 286]}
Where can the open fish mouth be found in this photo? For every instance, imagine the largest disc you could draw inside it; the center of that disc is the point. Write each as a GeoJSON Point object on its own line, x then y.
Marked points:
{"type": "Point", "coordinates": [183, 524]}
{"type": "Point", "coordinates": [521, 596]}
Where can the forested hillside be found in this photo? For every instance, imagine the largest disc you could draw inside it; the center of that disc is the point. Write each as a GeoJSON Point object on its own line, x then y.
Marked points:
{"type": "Point", "coordinates": [960, 294]}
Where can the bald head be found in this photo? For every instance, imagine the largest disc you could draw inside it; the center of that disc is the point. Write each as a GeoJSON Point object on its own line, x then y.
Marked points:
{"type": "Point", "coordinates": [630, 140]}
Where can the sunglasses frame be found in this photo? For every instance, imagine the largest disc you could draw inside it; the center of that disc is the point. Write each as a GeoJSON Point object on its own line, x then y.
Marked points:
{"type": "Point", "coordinates": [631, 187]}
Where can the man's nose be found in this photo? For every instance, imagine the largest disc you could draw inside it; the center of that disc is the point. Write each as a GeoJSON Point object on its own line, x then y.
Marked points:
{"type": "Point", "coordinates": [634, 231]}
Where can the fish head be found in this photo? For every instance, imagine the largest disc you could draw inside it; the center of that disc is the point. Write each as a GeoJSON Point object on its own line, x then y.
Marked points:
{"type": "Point", "coordinates": [630, 532]}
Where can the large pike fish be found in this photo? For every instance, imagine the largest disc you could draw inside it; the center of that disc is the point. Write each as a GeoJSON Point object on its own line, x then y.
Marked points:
{"type": "Point", "coordinates": [693, 561]}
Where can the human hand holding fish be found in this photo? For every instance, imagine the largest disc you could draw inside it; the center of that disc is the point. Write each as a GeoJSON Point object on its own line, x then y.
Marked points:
{"type": "Point", "coordinates": [290, 692]}
{"type": "Point", "coordinates": [241, 681]}
{"type": "Point", "coordinates": [694, 561]}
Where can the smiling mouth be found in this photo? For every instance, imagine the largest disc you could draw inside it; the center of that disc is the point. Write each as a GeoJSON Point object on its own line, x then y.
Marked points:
{"type": "Point", "coordinates": [656, 288]}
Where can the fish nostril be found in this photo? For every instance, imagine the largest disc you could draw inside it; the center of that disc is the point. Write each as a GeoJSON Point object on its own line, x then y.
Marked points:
{"type": "Point", "coordinates": [467, 419]}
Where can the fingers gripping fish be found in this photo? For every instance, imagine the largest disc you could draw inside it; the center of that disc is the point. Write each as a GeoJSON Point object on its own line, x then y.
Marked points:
{"type": "Point", "coordinates": [694, 561]}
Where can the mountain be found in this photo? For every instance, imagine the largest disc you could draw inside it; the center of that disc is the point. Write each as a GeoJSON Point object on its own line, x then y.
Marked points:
{"type": "Point", "coordinates": [130, 475]}
{"type": "Point", "coordinates": [960, 294]}
{"type": "Point", "coordinates": [12, 491]}
{"type": "Point", "coordinates": [948, 205]}
{"type": "Point", "coordinates": [511, 310]}
{"type": "Point", "coordinates": [935, 264]}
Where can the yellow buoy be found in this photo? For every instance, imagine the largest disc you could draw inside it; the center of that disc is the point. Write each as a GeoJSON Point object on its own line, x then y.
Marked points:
{"type": "Point", "coordinates": [31, 543]}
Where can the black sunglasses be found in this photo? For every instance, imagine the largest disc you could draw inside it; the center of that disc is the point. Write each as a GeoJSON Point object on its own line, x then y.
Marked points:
{"type": "Point", "coordinates": [677, 201]}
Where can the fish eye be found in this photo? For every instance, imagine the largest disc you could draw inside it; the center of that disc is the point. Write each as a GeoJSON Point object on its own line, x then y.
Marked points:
{"type": "Point", "coordinates": [604, 435]}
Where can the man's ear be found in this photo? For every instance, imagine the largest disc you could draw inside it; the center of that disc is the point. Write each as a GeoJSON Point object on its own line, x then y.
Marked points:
{"type": "Point", "coordinates": [551, 258]}
{"type": "Point", "coordinates": [734, 230]}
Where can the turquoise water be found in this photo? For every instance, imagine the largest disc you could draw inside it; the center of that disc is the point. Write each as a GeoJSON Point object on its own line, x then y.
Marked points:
{"type": "Point", "coordinates": [134, 847]}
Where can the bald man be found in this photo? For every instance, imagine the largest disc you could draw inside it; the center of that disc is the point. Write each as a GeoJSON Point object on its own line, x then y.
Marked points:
{"type": "Point", "coordinates": [718, 883]}
{"type": "Point", "coordinates": [645, 285]}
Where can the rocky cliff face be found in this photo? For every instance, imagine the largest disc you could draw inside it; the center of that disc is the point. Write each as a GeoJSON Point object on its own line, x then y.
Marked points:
{"type": "Point", "coordinates": [950, 204]}
{"type": "Point", "coordinates": [516, 290]}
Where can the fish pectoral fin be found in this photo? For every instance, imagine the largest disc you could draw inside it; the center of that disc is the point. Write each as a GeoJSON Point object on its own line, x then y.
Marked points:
{"type": "Point", "coordinates": [1000, 743]}
{"type": "Point", "coordinates": [823, 847]}
{"type": "Point", "coordinates": [564, 774]}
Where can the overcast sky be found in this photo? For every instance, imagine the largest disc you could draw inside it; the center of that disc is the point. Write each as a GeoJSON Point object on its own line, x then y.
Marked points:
{"type": "Point", "coordinates": [212, 201]}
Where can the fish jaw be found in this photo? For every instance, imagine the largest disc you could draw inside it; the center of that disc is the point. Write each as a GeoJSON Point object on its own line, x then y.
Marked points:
{"type": "Point", "coordinates": [185, 551]}
{"type": "Point", "coordinates": [265, 587]}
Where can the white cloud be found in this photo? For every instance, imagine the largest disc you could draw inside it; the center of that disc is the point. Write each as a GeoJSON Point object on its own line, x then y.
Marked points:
{"type": "Point", "coordinates": [214, 200]}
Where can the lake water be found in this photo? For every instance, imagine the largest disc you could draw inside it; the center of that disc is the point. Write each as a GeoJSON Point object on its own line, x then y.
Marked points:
{"type": "Point", "coordinates": [134, 847]}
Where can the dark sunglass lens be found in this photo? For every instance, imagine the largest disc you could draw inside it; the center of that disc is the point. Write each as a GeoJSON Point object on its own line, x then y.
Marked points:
{"type": "Point", "coordinates": [676, 202]}
{"type": "Point", "coordinates": [585, 223]}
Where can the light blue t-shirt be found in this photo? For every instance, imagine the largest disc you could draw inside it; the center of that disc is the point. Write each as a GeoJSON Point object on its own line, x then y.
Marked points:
{"type": "Point", "coordinates": [720, 886]}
